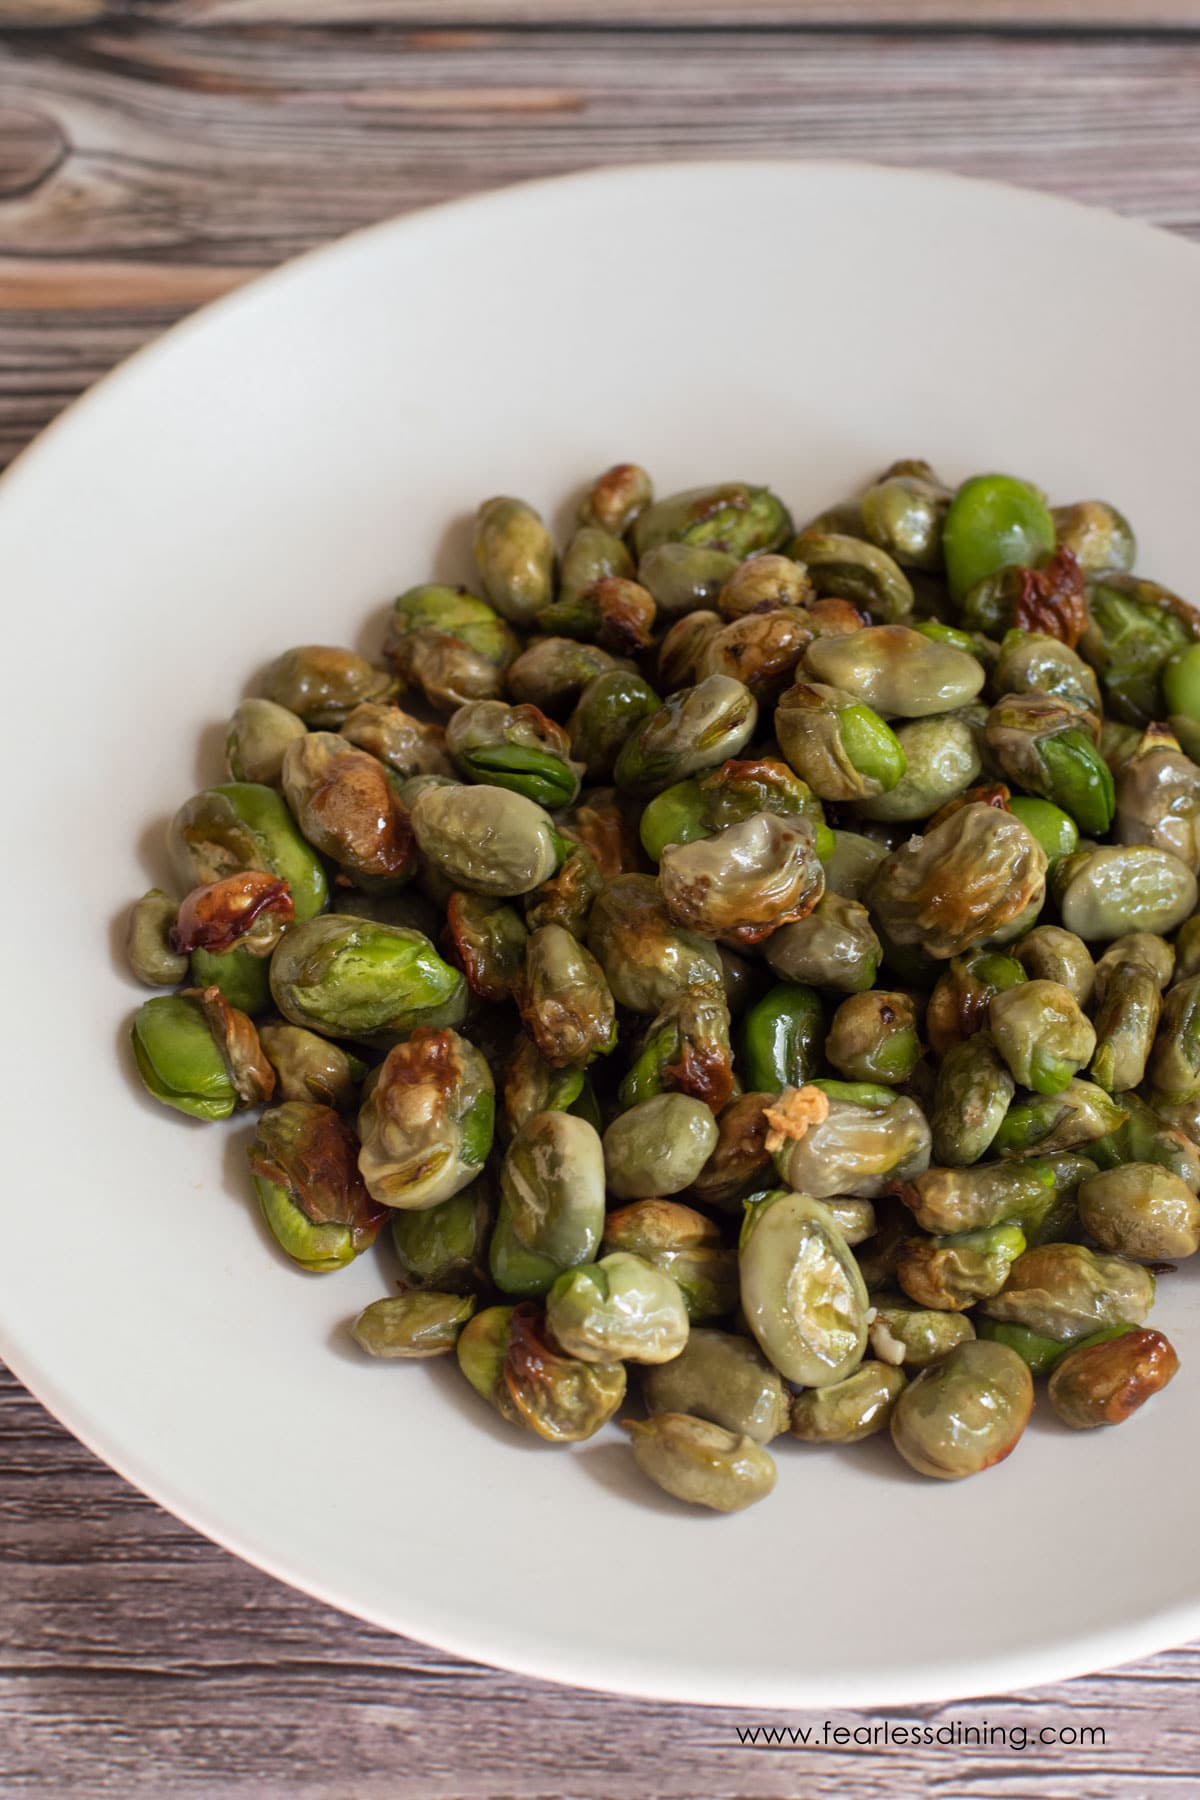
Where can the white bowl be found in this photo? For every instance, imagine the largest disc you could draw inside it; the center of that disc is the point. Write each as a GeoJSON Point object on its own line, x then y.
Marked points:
{"type": "Point", "coordinates": [271, 473]}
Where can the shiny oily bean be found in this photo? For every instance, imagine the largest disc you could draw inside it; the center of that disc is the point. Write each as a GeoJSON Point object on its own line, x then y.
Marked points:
{"type": "Point", "coordinates": [965, 1413]}
{"type": "Point", "coordinates": [658, 1147]}
{"type": "Point", "coordinates": [849, 1410]}
{"type": "Point", "coordinates": [418, 1324]}
{"type": "Point", "coordinates": [896, 671]}
{"type": "Point", "coordinates": [802, 1293]}
{"type": "Point", "coordinates": [1105, 1383]}
{"type": "Point", "coordinates": [701, 1463]}
{"type": "Point", "coordinates": [1141, 1210]}
{"type": "Point", "coordinates": [722, 1378]}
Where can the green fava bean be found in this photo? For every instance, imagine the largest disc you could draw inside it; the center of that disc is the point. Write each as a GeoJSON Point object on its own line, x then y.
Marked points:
{"type": "Point", "coordinates": [971, 1096]}
{"type": "Point", "coordinates": [486, 839]}
{"type": "Point", "coordinates": [993, 522]}
{"type": "Point", "coordinates": [532, 1085]}
{"type": "Point", "coordinates": [509, 1359]}
{"type": "Point", "coordinates": [551, 1203]}
{"type": "Point", "coordinates": [834, 947]}
{"type": "Point", "coordinates": [782, 1036]}
{"type": "Point", "coordinates": [1144, 1137]}
{"type": "Point", "coordinates": [1158, 797]}
{"type": "Point", "coordinates": [851, 1139]}
{"type": "Point", "coordinates": [1055, 830]}
{"type": "Point", "coordinates": [609, 710]}
{"type": "Point", "coordinates": [1031, 661]}
{"type": "Point", "coordinates": [426, 1124]}
{"type": "Point", "coordinates": [1134, 629]}
{"type": "Point", "coordinates": [972, 879]}
{"type": "Point", "coordinates": [694, 730]}
{"type": "Point", "coordinates": [675, 816]}
{"type": "Point", "coordinates": [321, 684]}
{"type": "Point", "coordinates": [873, 1037]}
{"type": "Point", "coordinates": [1042, 1035]}
{"type": "Point", "coordinates": [1125, 1026]}
{"type": "Point", "coordinates": [658, 1147]}
{"type": "Point", "coordinates": [1104, 1380]}
{"type": "Point", "coordinates": [902, 1334]}
{"type": "Point", "coordinates": [351, 978]}
{"type": "Point", "coordinates": [1039, 1354]}
{"type": "Point", "coordinates": [802, 1293]}
{"type": "Point", "coordinates": [948, 1201]}
{"type": "Point", "coordinates": [514, 554]}
{"type": "Point", "coordinates": [1141, 1210]}
{"type": "Point", "coordinates": [1181, 683]}
{"type": "Point", "coordinates": [514, 747]}
{"type": "Point", "coordinates": [489, 940]}
{"type": "Point", "coordinates": [304, 1164]}
{"type": "Point", "coordinates": [647, 959]}
{"type": "Point", "coordinates": [309, 1067]}
{"type": "Point", "coordinates": [346, 805]}
{"type": "Point", "coordinates": [849, 1410]}
{"type": "Point", "coordinates": [684, 577]}
{"type": "Point", "coordinates": [1106, 892]}
{"type": "Point", "coordinates": [851, 569]}
{"type": "Point", "coordinates": [243, 826]}
{"type": "Point", "coordinates": [734, 517]}
{"type": "Point", "coordinates": [951, 1273]}
{"type": "Point", "coordinates": [1048, 746]}
{"type": "Point", "coordinates": [1174, 1068]}
{"type": "Point", "coordinates": [408, 746]}
{"type": "Point", "coordinates": [897, 671]}
{"type": "Point", "coordinates": [841, 747]}
{"type": "Point", "coordinates": [724, 1379]}
{"type": "Point", "coordinates": [259, 733]}
{"type": "Point", "coordinates": [592, 555]}
{"type": "Point", "coordinates": [444, 1247]}
{"type": "Point", "coordinates": [1051, 954]}
{"type": "Point", "coordinates": [433, 612]}
{"type": "Point", "coordinates": [941, 761]}
{"type": "Point", "coordinates": [1077, 1115]}
{"type": "Point", "coordinates": [243, 978]}
{"type": "Point", "coordinates": [564, 1000]}
{"type": "Point", "coordinates": [684, 1245]}
{"type": "Point", "coordinates": [904, 515]}
{"type": "Point", "coordinates": [850, 864]}
{"type": "Point", "coordinates": [552, 672]}
{"type": "Point", "coordinates": [686, 1049]}
{"type": "Point", "coordinates": [740, 1164]}
{"type": "Point", "coordinates": [147, 941]}
{"type": "Point", "coordinates": [446, 671]}
{"type": "Point", "coordinates": [413, 1325]}
{"type": "Point", "coordinates": [700, 1463]}
{"type": "Point", "coordinates": [620, 1309]}
{"type": "Point", "coordinates": [1066, 1291]}
{"type": "Point", "coordinates": [746, 880]}
{"type": "Point", "coordinates": [617, 497]}
{"type": "Point", "coordinates": [764, 584]}
{"type": "Point", "coordinates": [179, 1059]}
{"type": "Point", "coordinates": [1098, 536]}
{"type": "Point", "coordinates": [965, 1413]}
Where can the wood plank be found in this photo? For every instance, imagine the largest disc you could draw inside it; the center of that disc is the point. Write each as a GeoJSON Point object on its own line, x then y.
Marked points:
{"type": "Point", "coordinates": [146, 170]}
{"type": "Point", "coordinates": [138, 1660]}
{"type": "Point", "coordinates": [974, 15]}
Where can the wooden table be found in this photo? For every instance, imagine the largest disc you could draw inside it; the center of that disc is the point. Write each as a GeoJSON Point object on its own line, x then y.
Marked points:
{"type": "Point", "coordinates": [154, 155]}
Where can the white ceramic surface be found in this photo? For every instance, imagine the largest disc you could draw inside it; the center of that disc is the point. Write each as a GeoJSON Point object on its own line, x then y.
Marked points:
{"type": "Point", "coordinates": [270, 473]}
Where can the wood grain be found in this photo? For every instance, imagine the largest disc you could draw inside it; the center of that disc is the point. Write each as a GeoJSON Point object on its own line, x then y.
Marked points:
{"type": "Point", "coordinates": [137, 1660]}
{"type": "Point", "coordinates": [142, 170]}
{"type": "Point", "coordinates": [153, 155]}
{"type": "Point", "coordinates": [965, 15]}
